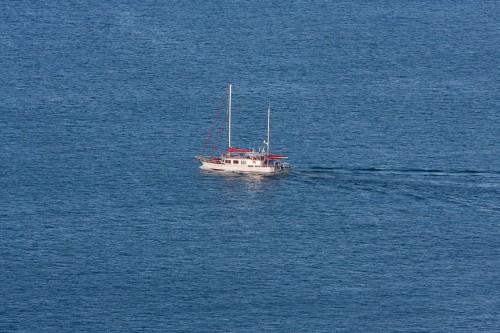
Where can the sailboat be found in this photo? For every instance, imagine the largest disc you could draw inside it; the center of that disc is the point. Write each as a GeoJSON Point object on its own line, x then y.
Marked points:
{"type": "Point", "coordinates": [239, 160]}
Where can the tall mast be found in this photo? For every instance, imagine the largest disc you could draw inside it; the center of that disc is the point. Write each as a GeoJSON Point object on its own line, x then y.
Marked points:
{"type": "Point", "coordinates": [229, 140]}
{"type": "Point", "coordinates": [268, 128]}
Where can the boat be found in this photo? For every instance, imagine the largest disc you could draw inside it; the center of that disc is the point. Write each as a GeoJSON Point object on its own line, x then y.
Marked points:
{"type": "Point", "coordinates": [238, 160]}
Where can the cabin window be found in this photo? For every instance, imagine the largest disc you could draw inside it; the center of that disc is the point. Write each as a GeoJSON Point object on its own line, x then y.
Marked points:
{"type": "Point", "coordinates": [243, 162]}
{"type": "Point", "coordinates": [228, 161]}
{"type": "Point", "coordinates": [236, 162]}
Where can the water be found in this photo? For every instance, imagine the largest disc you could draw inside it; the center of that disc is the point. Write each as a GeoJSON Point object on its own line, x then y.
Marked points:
{"type": "Point", "coordinates": [389, 220]}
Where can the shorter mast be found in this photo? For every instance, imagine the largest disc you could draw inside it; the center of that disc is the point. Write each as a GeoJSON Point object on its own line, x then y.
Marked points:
{"type": "Point", "coordinates": [268, 128]}
{"type": "Point", "coordinates": [229, 134]}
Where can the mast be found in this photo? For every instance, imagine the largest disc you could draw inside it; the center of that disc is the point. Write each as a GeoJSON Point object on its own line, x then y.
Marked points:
{"type": "Point", "coordinates": [268, 128]}
{"type": "Point", "coordinates": [229, 134]}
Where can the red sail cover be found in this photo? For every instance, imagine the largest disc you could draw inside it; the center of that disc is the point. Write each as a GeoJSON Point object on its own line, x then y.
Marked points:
{"type": "Point", "coordinates": [237, 150]}
{"type": "Point", "coordinates": [276, 157]}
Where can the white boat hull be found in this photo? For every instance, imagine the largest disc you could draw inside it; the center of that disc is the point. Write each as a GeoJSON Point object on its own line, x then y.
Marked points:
{"type": "Point", "coordinates": [250, 167]}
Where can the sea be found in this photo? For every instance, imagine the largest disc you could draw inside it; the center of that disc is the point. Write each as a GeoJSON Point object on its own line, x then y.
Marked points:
{"type": "Point", "coordinates": [388, 221]}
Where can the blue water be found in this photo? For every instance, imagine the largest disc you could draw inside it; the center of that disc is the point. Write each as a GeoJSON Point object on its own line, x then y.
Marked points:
{"type": "Point", "coordinates": [389, 220]}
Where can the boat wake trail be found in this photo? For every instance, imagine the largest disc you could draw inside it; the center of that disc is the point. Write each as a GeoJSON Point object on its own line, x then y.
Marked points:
{"type": "Point", "coordinates": [475, 189]}
{"type": "Point", "coordinates": [317, 170]}
{"type": "Point", "coordinates": [393, 178]}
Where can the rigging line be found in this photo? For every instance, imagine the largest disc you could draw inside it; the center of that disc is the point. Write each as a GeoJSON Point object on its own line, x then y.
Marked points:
{"type": "Point", "coordinates": [222, 125]}
{"type": "Point", "coordinates": [207, 140]}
